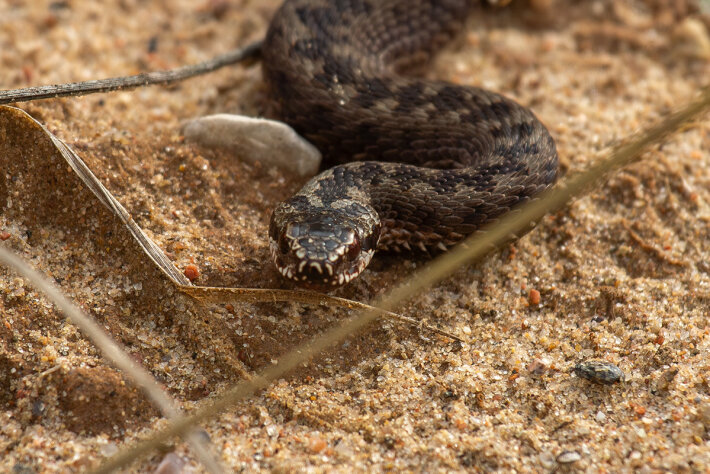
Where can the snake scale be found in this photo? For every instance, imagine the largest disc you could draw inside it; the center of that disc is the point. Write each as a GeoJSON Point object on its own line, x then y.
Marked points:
{"type": "Point", "coordinates": [416, 164]}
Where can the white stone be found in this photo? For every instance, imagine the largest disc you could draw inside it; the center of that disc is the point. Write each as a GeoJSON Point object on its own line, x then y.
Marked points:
{"type": "Point", "coordinates": [253, 140]}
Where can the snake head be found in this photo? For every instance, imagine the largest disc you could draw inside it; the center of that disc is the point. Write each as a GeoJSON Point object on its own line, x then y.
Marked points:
{"type": "Point", "coordinates": [321, 249]}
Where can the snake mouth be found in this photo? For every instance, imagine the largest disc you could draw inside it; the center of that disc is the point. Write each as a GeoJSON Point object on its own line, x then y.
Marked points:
{"type": "Point", "coordinates": [322, 274]}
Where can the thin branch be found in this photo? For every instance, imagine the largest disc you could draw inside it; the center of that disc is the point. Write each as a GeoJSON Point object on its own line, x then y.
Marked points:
{"type": "Point", "coordinates": [248, 52]}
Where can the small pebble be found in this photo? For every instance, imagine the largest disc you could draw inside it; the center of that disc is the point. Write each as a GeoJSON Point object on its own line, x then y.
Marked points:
{"type": "Point", "coordinates": [568, 457]}
{"type": "Point", "coordinates": [192, 272]}
{"type": "Point", "coordinates": [317, 445]}
{"type": "Point", "coordinates": [664, 381]}
{"type": "Point", "coordinates": [534, 297]}
{"type": "Point", "coordinates": [268, 142]}
{"type": "Point", "coordinates": [22, 469]}
{"type": "Point", "coordinates": [109, 449]}
{"type": "Point", "coordinates": [537, 366]}
{"type": "Point", "coordinates": [5, 235]}
{"type": "Point", "coordinates": [599, 371]}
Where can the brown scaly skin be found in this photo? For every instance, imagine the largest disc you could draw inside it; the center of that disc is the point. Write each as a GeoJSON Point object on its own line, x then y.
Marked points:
{"type": "Point", "coordinates": [420, 164]}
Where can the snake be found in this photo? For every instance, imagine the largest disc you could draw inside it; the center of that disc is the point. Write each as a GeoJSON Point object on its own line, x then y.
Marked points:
{"type": "Point", "coordinates": [410, 164]}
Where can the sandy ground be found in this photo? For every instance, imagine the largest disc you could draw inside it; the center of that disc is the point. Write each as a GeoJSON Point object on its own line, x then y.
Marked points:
{"type": "Point", "coordinates": [623, 273]}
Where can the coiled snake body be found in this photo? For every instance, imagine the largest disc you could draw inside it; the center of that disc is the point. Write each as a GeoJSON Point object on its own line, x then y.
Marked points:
{"type": "Point", "coordinates": [419, 164]}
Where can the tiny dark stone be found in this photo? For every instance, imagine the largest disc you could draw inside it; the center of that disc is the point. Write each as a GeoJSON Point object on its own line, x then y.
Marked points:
{"type": "Point", "coordinates": [37, 408]}
{"type": "Point", "coordinates": [449, 395]}
{"type": "Point", "coordinates": [22, 469]}
{"type": "Point", "coordinates": [599, 371]}
{"type": "Point", "coordinates": [389, 442]}
{"type": "Point", "coordinates": [153, 44]}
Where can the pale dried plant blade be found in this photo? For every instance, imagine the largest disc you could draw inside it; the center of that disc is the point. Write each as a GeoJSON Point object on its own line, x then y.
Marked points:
{"type": "Point", "coordinates": [104, 196]}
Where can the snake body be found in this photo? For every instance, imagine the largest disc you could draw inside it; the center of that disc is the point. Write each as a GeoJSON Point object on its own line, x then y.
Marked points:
{"type": "Point", "coordinates": [416, 164]}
